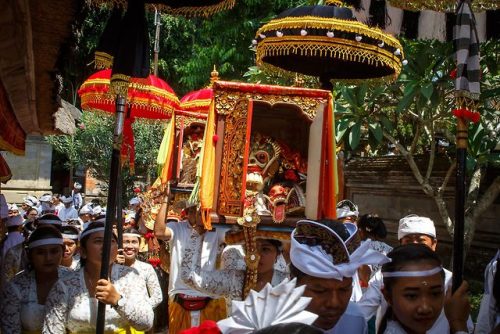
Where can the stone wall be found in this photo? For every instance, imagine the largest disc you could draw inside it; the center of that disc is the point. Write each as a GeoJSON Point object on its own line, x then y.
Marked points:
{"type": "Point", "coordinates": [31, 172]}
{"type": "Point", "coordinates": [386, 186]}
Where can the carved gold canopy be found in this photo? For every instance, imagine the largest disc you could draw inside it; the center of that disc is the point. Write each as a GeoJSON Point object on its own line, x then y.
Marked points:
{"type": "Point", "coordinates": [234, 106]}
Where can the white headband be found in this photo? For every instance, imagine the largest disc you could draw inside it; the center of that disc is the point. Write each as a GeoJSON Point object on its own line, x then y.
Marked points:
{"type": "Point", "coordinates": [90, 231]}
{"type": "Point", "coordinates": [49, 221]}
{"type": "Point", "coordinates": [70, 236]}
{"type": "Point", "coordinates": [43, 242]}
{"type": "Point", "coordinates": [132, 235]}
{"type": "Point", "coordinates": [420, 273]}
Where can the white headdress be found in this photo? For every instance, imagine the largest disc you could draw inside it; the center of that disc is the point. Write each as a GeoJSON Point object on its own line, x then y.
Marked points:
{"type": "Point", "coordinates": [86, 209]}
{"type": "Point", "coordinates": [282, 304]}
{"type": "Point", "coordinates": [134, 201]}
{"type": "Point", "coordinates": [318, 251]}
{"type": "Point", "coordinates": [346, 208]}
{"type": "Point", "coordinates": [413, 224]}
{"type": "Point", "coordinates": [66, 200]}
{"type": "Point", "coordinates": [77, 185]}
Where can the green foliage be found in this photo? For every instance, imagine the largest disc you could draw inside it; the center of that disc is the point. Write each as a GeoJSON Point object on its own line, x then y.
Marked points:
{"type": "Point", "coordinates": [91, 147]}
{"type": "Point", "coordinates": [416, 109]}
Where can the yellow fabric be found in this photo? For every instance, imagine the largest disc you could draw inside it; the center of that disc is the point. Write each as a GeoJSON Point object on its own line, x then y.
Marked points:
{"type": "Point", "coordinates": [207, 180]}
{"type": "Point", "coordinates": [180, 319]}
{"type": "Point", "coordinates": [165, 153]}
{"type": "Point", "coordinates": [128, 330]}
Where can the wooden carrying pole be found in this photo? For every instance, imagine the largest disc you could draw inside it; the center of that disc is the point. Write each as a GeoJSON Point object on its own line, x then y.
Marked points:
{"type": "Point", "coordinates": [111, 205]}
{"type": "Point", "coordinates": [458, 231]}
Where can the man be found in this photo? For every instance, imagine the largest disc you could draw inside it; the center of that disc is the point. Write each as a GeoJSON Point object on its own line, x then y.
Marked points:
{"type": "Point", "coordinates": [68, 212]}
{"type": "Point", "coordinates": [77, 196]}
{"type": "Point", "coordinates": [133, 204]}
{"type": "Point", "coordinates": [28, 203]}
{"type": "Point", "coordinates": [46, 204]}
{"type": "Point", "coordinates": [412, 229]}
{"type": "Point", "coordinates": [85, 216]}
{"type": "Point", "coordinates": [13, 210]}
{"type": "Point", "coordinates": [324, 257]}
{"type": "Point", "coordinates": [347, 211]}
{"type": "Point", "coordinates": [187, 307]}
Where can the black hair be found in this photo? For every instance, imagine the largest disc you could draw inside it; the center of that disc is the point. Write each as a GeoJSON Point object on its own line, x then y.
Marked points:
{"type": "Point", "coordinates": [131, 230]}
{"type": "Point", "coordinates": [373, 225]}
{"type": "Point", "coordinates": [400, 257]}
{"type": "Point", "coordinates": [290, 328]}
{"type": "Point", "coordinates": [83, 241]}
{"type": "Point", "coordinates": [43, 232]}
{"type": "Point", "coordinates": [276, 243]}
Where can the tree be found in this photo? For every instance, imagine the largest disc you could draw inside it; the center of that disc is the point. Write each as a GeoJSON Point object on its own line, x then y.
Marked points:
{"type": "Point", "coordinates": [415, 111]}
{"type": "Point", "coordinates": [91, 147]}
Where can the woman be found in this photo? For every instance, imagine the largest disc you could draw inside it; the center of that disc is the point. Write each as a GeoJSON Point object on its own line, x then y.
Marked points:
{"type": "Point", "coordinates": [71, 258]}
{"type": "Point", "coordinates": [72, 303]}
{"type": "Point", "coordinates": [131, 242]}
{"type": "Point", "coordinates": [371, 229]}
{"type": "Point", "coordinates": [414, 289]}
{"type": "Point", "coordinates": [230, 282]}
{"type": "Point", "coordinates": [24, 297]}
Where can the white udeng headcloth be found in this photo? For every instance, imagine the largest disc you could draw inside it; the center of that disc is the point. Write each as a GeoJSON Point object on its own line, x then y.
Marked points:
{"type": "Point", "coordinates": [282, 304]}
{"type": "Point", "coordinates": [413, 224]}
{"type": "Point", "coordinates": [317, 262]}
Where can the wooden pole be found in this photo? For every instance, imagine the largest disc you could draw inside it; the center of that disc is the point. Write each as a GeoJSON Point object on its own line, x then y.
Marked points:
{"type": "Point", "coordinates": [157, 42]}
{"type": "Point", "coordinates": [111, 204]}
{"type": "Point", "coordinates": [458, 231]}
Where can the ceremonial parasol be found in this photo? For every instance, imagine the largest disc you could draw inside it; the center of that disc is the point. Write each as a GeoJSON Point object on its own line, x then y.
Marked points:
{"type": "Point", "coordinates": [149, 98]}
{"type": "Point", "coordinates": [329, 43]}
{"type": "Point", "coordinates": [443, 5]}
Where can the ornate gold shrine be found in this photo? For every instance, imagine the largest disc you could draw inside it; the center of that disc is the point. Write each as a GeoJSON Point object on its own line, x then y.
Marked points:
{"type": "Point", "coordinates": [293, 116]}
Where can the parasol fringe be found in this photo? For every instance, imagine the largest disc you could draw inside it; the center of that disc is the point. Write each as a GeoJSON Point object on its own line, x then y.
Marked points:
{"type": "Point", "coordinates": [330, 24]}
{"type": "Point", "coordinates": [322, 46]}
{"type": "Point", "coordinates": [103, 60]}
{"type": "Point", "coordinates": [443, 5]}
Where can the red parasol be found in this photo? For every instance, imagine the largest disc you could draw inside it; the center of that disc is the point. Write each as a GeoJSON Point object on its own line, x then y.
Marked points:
{"type": "Point", "coordinates": [150, 98]}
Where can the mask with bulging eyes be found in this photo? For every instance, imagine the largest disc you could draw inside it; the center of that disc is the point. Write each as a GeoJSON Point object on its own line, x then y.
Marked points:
{"type": "Point", "coordinates": [264, 152]}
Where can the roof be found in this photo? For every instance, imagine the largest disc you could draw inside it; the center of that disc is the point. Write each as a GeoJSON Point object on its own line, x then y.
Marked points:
{"type": "Point", "coordinates": [33, 33]}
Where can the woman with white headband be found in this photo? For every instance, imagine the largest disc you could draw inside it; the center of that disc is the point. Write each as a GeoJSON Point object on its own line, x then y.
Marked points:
{"type": "Point", "coordinates": [24, 297]}
{"type": "Point", "coordinates": [131, 243]}
{"type": "Point", "coordinates": [72, 304]}
{"type": "Point", "coordinates": [414, 288]}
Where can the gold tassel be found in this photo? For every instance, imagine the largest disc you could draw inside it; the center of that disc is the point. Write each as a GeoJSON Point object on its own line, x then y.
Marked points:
{"type": "Point", "coordinates": [103, 60]}
{"type": "Point", "coordinates": [119, 84]}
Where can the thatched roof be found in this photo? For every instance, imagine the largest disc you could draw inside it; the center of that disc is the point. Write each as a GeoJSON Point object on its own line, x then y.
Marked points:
{"type": "Point", "coordinates": [33, 32]}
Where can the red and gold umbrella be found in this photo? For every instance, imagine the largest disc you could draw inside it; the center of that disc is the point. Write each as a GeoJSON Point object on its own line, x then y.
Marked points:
{"type": "Point", "coordinates": [5, 173]}
{"type": "Point", "coordinates": [150, 98]}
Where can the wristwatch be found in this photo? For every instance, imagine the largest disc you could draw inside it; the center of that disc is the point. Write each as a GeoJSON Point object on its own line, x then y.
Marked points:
{"type": "Point", "coordinates": [119, 303]}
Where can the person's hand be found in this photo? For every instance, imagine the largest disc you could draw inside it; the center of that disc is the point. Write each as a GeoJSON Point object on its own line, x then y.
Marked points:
{"type": "Point", "coordinates": [457, 308]}
{"type": "Point", "coordinates": [105, 292]}
{"type": "Point", "coordinates": [120, 258]}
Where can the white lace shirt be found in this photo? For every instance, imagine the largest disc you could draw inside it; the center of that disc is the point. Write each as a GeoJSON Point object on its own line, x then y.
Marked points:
{"type": "Point", "coordinates": [20, 310]}
{"type": "Point", "coordinates": [70, 308]}
{"type": "Point", "coordinates": [147, 272]}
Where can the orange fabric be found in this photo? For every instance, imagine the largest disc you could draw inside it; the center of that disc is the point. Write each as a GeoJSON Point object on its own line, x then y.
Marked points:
{"type": "Point", "coordinates": [180, 319]}
{"type": "Point", "coordinates": [207, 180]}
{"type": "Point", "coordinates": [329, 175]}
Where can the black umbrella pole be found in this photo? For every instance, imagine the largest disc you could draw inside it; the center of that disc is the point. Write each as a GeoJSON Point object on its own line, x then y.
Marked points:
{"type": "Point", "coordinates": [119, 210]}
{"type": "Point", "coordinates": [458, 231]}
{"type": "Point", "coordinates": [111, 205]}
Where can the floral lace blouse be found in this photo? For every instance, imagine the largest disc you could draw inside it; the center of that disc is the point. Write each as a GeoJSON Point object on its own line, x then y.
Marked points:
{"type": "Point", "coordinates": [20, 310]}
{"type": "Point", "coordinates": [147, 272]}
{"type": "Point", "coordinates": [69, 308]}
{"type": "Point", "coordinates": [228, 283]}
{"type": "Point", "coordinates": [15, 260]}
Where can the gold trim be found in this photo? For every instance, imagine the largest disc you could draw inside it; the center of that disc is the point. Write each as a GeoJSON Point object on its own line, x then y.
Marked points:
{"type": "Point", "coordinates": [201, 10]}
{"type": "Point", "coordinates": [443, 5]}
{"type": "Point", "coordinates": [316, 22]}
{"type": "Point", "coordinates": [333, 47]}
{"type": "Point", "coordinates": [103, 60]}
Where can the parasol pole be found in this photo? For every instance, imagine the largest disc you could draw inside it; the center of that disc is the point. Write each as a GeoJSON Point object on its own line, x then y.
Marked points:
{"type": "Point", "coordinates": [111, 204]}
{"type": "Point", "coordinates": [119, 208]}
{"type": "Point", "coordinates": [156, 49]}
{"type": "Point", "coordinates": [458, 231]}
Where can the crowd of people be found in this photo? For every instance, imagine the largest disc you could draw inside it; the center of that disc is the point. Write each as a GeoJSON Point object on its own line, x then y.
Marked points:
{"type": "Point", "coordinates": [330, 276]}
